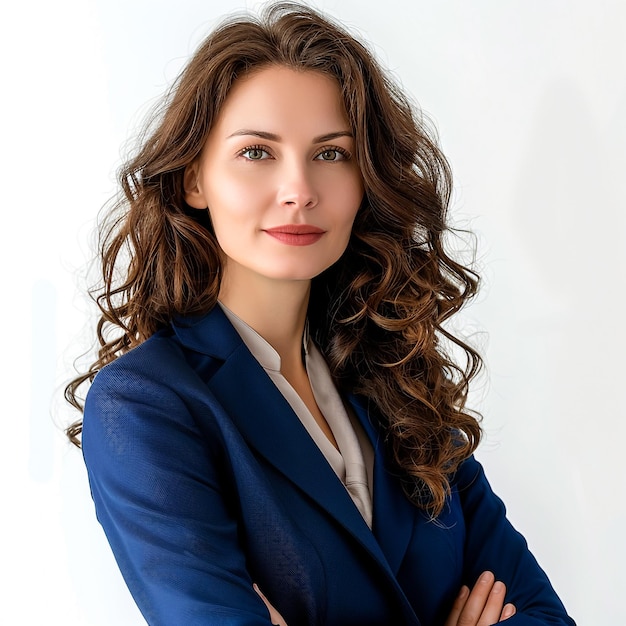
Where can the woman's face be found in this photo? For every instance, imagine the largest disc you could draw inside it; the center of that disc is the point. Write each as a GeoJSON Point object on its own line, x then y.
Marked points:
{"type": "Point", "coordinates": [278, 176]}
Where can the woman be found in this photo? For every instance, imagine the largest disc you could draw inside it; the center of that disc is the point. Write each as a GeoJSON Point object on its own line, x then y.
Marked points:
{"type": "Point", "coordinates": [275, 428]}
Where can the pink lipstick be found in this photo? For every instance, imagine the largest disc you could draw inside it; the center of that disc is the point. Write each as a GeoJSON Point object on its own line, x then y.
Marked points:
{"type": "Point", "coordinates": [296, 234]}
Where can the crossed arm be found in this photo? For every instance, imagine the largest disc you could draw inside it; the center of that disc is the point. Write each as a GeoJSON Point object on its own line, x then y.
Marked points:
{"type": "Point", "coordinates": [158, 486]}
{"type": "Point", "coordinates": [481, 606]}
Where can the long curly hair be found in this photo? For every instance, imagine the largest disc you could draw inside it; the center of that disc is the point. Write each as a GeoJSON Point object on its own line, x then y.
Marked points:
{"type": "Point", "coordinates": [378, 315]}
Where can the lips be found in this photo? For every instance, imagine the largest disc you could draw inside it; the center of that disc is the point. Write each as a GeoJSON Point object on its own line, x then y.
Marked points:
{"type": "Point", "coordinates": [296, 234]}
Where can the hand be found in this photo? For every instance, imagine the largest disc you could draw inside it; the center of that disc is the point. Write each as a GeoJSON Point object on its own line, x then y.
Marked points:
{"type": "Point", "coordinates": [483, 606]}
{"type": "Point", "coordinates": [275, 617]}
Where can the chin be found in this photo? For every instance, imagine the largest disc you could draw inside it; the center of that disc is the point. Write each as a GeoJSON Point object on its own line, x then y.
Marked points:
{"type": "Point", "coordinates": [295, 271]}
{"type": "Point", "coordinates": [295, 276]}
{"type": "Point", "coordinates": [301, 274]}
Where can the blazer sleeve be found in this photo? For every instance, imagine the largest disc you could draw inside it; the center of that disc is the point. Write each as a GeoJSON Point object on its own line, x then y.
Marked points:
{"type": "Point", "coordinates": [158, 489]}
{"type": "Point", "coordinates": [493, 544]}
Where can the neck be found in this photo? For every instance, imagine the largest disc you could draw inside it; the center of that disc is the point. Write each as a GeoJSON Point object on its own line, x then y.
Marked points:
{"type": "Point", "coordinates": [274, 309]}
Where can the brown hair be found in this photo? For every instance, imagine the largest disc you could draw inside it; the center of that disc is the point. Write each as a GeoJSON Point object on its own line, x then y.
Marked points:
{"type": "Point", "coordinates": [378, 313]}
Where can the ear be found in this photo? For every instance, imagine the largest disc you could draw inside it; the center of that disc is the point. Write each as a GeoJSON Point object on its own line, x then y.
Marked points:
{"type": "Point", "coordinates": [193, 195]}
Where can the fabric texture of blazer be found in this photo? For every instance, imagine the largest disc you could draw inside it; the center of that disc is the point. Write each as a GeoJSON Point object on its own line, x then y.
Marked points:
{"type": "Point", "coordinates": [206, 482]}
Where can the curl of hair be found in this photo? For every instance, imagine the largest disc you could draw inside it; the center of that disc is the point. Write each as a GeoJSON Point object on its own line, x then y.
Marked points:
{"type": "Point", "coordinates": [378, 314]}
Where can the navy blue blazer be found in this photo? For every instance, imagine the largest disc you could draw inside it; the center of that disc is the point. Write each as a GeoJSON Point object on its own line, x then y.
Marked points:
{"type": "Point", "coordinates": [205, 481]}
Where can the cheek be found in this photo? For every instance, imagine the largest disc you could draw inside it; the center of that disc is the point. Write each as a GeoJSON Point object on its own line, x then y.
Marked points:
{"type": "Point", "coordinates": [228, 198]}
{"type": "Point", "coordinates": [352, 200]}
{"type": "Point", "coordinates": [232, 204]}
{"type": "Point", "coordinates": [345, 221]}
{"type": "Point", "coordinates": [353, 192]}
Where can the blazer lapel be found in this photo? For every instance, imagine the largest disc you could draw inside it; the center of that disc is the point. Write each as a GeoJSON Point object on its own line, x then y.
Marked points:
{"type": "Point", "coordinates": [268, 423]}
{"type": "Point", "coordinates": [394, 516]}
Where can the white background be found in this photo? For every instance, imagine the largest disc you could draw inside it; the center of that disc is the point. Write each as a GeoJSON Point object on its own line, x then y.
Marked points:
{"type": "Point", "coordinates": [530, 100]}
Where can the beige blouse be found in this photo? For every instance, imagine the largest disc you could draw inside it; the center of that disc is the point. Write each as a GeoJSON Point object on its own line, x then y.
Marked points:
{"type": "Point", "coordinates": [354, 461]}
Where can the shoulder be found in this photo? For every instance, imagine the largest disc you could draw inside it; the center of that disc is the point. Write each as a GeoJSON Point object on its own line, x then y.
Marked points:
{"type": "Point", "coordinates": [144, 376]}
{"type": "Point", "coordinates": [149, 386]}
{"type": "Point", "coordinates": [164, 384]}
{"type": "Point", "coordinates": [162, 364]}
{"type": "Point", "coordinates": [483, 511]}
{"type": "Point", "coordinates": [145, 403]}
{"type": "Point", "coordinates": [468, 473]}
{"type": "Point", "coordinates": [141, 382]}
{"type": "Point", "coordinates": [471, 484]}
{"type": "Point", "coordinates": [155, 357]}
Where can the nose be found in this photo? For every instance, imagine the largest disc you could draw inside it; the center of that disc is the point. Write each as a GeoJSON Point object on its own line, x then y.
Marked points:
{"type": "Point", "coordinates": [296, 188]}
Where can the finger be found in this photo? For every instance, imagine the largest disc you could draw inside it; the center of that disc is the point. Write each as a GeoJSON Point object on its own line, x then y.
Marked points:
{"type": "Point", "coordinates": [508, 611]}
{"type": "Point", "coordinates": [476, 601]}
{"type": "Point", "coordinates": [484, 603]}
{"type": "Point", "coordinates": [275, 617]}
{"type": "Point", "coordinates": [261, 595]}
{"type": "Point", "coordinates": [494, 605]}
{"type": "Point", "coordinates": [457, 607]}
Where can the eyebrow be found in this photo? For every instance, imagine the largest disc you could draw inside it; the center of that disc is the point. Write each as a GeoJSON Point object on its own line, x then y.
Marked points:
{"type": "Point", "coordinates": [274, 137]}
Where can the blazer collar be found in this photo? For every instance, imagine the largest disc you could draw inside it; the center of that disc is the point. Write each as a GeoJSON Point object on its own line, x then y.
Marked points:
{"type": "Point", "coordinates": [260, 412]}
{"type": "Point", "coordinates": [211, 334]}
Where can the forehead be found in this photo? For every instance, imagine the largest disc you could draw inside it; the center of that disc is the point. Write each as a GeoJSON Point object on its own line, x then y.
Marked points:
{"type": "Point", "coordinates": [278, 96]}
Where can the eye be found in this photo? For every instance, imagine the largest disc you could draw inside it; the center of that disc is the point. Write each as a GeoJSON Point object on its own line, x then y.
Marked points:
{"type": "Point", "coordinates": [332, 155]}
{"type": "Point", "coordinates": [255, 153]}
